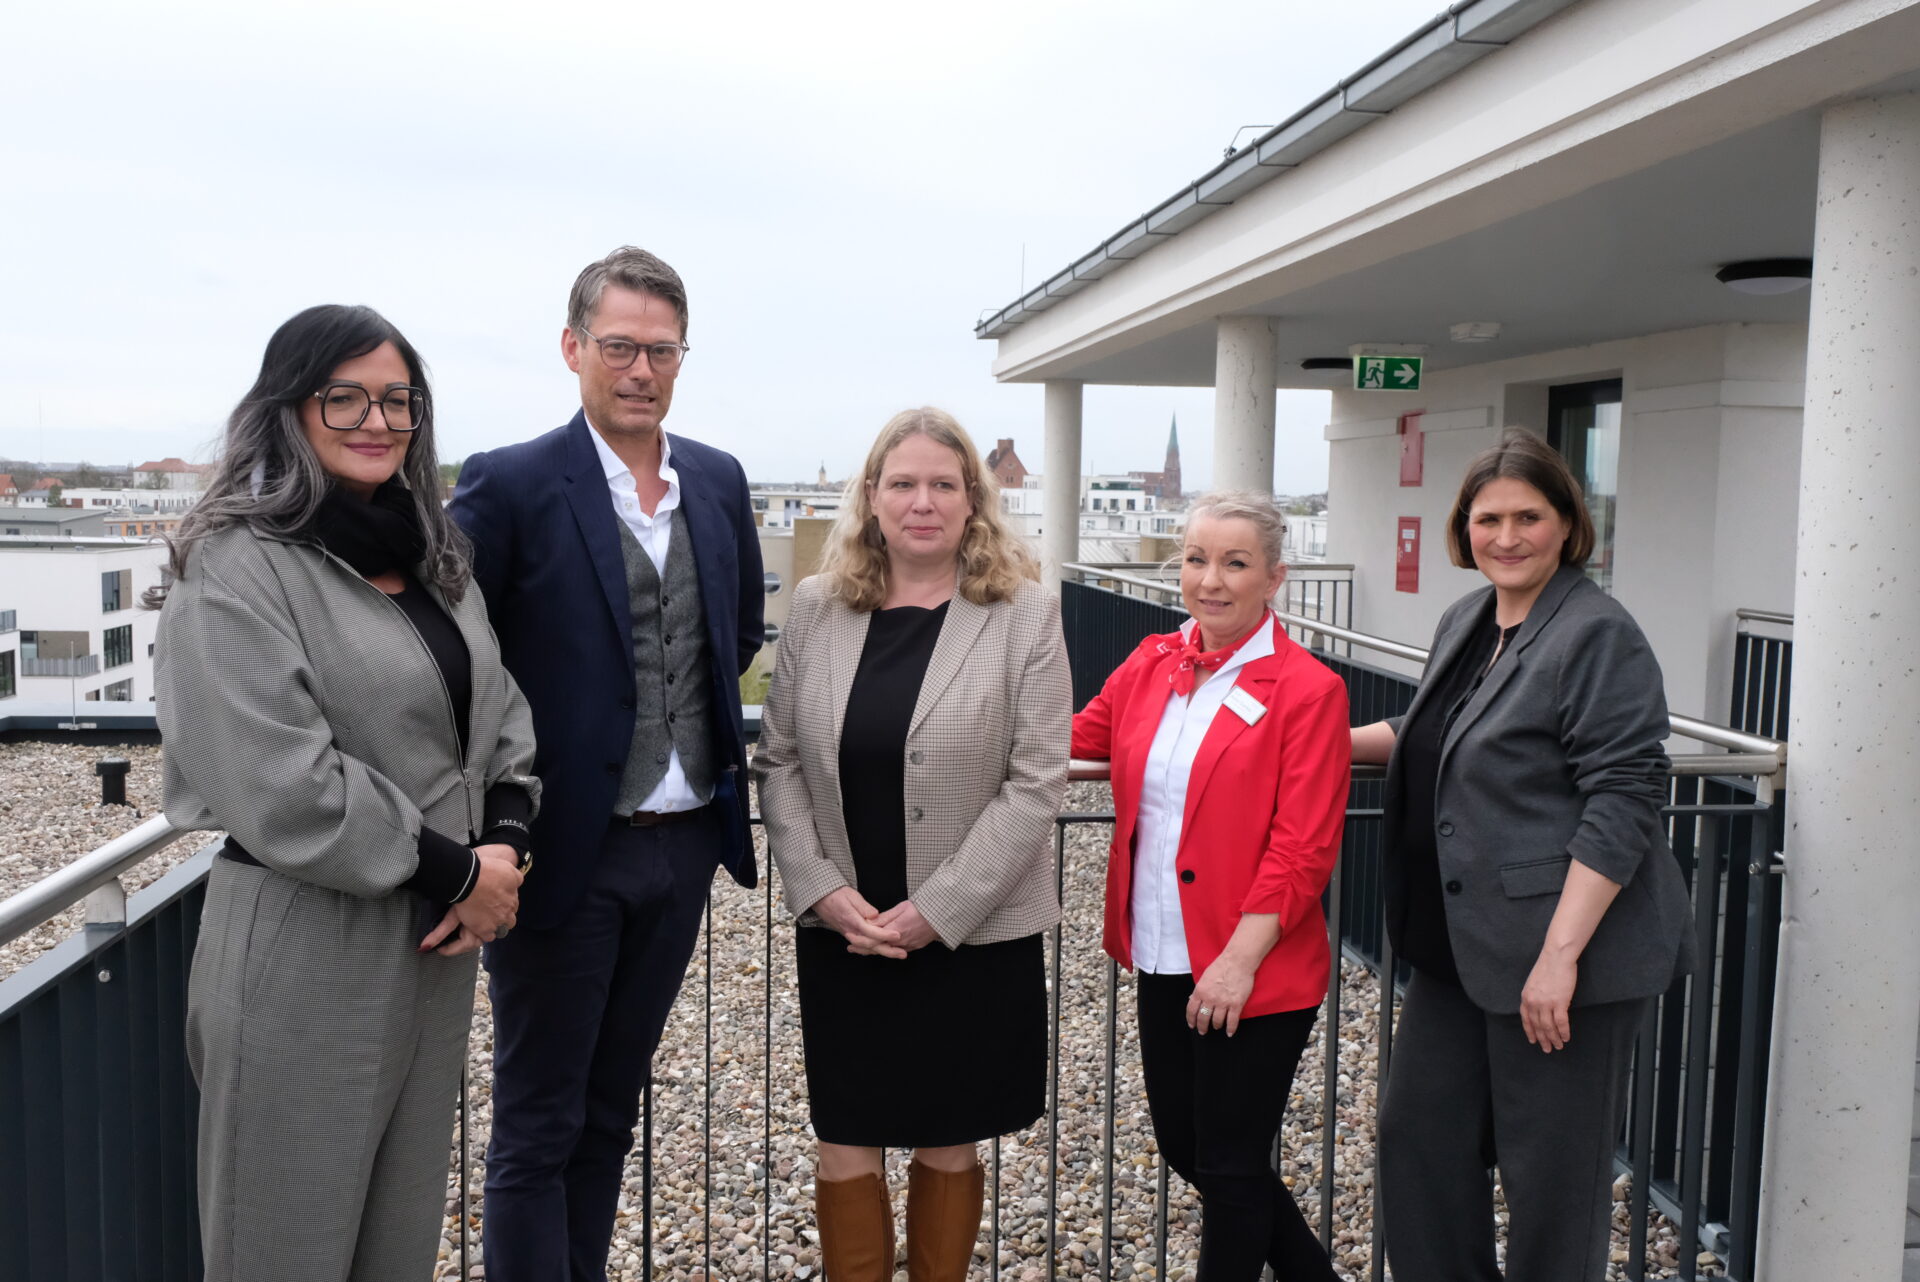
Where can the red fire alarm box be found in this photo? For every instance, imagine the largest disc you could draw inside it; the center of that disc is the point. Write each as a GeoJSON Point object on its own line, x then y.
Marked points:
{"type": "Point", "coordinates": [1406, 554]}
{"type": "Point", "coordinates": [1412, 448]}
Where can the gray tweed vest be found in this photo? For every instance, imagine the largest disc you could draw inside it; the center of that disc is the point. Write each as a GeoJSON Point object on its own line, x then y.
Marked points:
{"type": "Point", "coordinates": [672, 670]}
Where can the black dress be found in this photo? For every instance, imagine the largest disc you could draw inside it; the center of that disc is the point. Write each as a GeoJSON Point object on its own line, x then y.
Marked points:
{"type": "Point", "coordinates": [950, 1045]}
{"type": "Point", "coordinates": [1424, 939]}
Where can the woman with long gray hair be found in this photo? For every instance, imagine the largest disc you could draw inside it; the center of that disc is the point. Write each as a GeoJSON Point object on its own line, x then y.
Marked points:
{"type": "Point", "coordinates": [331, 697]}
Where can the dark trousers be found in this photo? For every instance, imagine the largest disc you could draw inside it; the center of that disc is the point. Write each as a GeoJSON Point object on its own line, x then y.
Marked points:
{"type": "Point", "coordinates": [1216, 1103]}
{"type": "Point", "coordinates": [577, 1013]}
{"type": "Point", "coordinates": [1466, 1093]}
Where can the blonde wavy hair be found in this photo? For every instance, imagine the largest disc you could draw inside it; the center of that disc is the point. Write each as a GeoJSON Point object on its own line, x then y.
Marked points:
{"type": "Point", "coordinates": [993, 560]}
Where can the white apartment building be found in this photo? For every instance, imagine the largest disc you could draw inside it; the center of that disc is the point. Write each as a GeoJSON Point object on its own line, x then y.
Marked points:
{"type": "Point", "coordinates": [1306, 537]}
{"type": "Point", "coordinates": [780, 508]}
{"type": "Point", "coordinates": [1110, 505]}
{"type": "Point", "coordinates": [131, 499]}
{"type": "Point", "coordinates": [1679, 239]}
{"type": "Point", "coordinates": [78, 632]}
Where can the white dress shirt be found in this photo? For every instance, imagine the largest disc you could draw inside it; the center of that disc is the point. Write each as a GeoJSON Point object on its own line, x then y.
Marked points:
{"type": "Point", "coordinates": [1159, 933]}
{"type": "Point", "coordinates": [654, 533]}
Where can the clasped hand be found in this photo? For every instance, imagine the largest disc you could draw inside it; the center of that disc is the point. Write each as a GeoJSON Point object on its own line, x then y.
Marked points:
{"type": "Point", "coordinates": [893, 933]}
{"type": "Point", "coordinates": [490, 910]}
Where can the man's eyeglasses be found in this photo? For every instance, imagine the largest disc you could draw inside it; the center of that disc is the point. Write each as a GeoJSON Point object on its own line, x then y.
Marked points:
{"type": "Point", "coordinates": [618, 353]}
{"type": "Point", "coordinates": [344, 406]}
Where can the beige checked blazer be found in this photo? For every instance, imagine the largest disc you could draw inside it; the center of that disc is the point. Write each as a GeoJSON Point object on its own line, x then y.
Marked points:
{"type": "Point", "coordinates": [986, 766]}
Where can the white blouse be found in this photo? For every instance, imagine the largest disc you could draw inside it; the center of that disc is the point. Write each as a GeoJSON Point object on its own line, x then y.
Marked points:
{"type": "Point", "coordinates": [1159, 934]}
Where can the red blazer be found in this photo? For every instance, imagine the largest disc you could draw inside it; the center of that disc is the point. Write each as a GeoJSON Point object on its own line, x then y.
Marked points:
{"type": "Point", "coordinates": [1264, 814]}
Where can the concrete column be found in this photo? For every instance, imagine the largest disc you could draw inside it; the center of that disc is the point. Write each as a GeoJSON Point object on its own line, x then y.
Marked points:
{"type": "Point", "coordinates": [1060, 483]}
{"type": "Point", "coordinates": [1840, 1100]}
{"type": "Point", "coordinates": [1244, 375]}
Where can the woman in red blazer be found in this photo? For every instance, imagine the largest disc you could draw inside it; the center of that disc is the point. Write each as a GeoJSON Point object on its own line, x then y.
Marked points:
{"type": "Point", "coordinates": [1230, 751]}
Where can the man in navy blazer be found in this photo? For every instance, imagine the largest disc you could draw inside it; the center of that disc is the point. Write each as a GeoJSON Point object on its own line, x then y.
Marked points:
{"type": "Point", "coordinates": [622, 574]}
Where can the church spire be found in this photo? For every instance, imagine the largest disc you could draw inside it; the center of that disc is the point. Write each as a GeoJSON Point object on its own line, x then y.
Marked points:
{"type": "Point", "coordinates": [1170, 490]}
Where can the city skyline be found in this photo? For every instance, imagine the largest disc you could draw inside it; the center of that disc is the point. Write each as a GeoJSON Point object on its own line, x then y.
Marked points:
{"type": "Point", "coordinates": [855, 174]}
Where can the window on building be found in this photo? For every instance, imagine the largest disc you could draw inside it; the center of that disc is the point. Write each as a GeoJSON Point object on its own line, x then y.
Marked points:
{"type": "Point", "coordinates": [1129, 505]}
{"type": "Point", "coordinates": [9, 620]}
{"type": "Point", "coordinates": [119, 692]}
{"type": "Point", "coordinates": [6, 675]}
{"type": "Point", "coordinates": [116, 591]}
{"type": "Point", "coordinates": [1583, 423]}
{"type": "Point", "coordinates": [92, 696]}
{"type": "Point", "coordinates": [116, 645]}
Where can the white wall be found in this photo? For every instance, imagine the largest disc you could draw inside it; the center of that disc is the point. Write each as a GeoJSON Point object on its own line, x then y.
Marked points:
{"type": "Point", "coordinates": [1709, 466]}
{"type": "Point", "coordinates": [57, 589]}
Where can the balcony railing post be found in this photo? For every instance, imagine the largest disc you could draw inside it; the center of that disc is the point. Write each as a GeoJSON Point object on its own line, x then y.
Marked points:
{"type": "Point", "coordinates": [1330, 1062]}
{"type": "Point", "coordinates": [107, 907]}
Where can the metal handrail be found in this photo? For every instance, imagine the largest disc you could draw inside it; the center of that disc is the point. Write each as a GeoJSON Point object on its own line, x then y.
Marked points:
{"type": "Point", "coordinates": [60, 890]}
{"type": "Point", "coordinates": [1734, 741]}
{"type": "Point", "coordinates": [1104, 568]}
{"type": "Point", "coordinates": [1718, 765]}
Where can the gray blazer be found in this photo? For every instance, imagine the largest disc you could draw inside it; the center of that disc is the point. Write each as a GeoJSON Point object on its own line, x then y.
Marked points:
{"type": "Point", "coordinates": [301, 713]}
{"type": "Point", "coordinates": [986, 762]}
{"type": "Point", "coordinates": [1556, 757]}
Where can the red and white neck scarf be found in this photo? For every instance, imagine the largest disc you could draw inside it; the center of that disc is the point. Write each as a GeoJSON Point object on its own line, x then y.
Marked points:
{"type": "Point", "coordinates": [1192, 658]}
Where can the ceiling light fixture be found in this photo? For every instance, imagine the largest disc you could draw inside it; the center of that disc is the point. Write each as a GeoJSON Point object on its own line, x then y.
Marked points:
{"type": "Point", "coordinates": [1327, 362]}
{"type": "Point", "coordinates": [1766, 275]}
{"type": "Point", "coordinates": [1474, 331]}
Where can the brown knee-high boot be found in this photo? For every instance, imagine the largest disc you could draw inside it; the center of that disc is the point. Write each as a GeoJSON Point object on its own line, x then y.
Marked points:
{"type": "Point", "coordinates": [856, 1228]}
{"type": "Point", "coordinates": [943, 1221]}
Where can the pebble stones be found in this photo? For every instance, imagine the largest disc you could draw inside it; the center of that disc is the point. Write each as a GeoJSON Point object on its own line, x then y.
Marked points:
{"type": "Point", "coordinates": [50, 814]}
{"type": "Point", "coordinates": [732, 1171]}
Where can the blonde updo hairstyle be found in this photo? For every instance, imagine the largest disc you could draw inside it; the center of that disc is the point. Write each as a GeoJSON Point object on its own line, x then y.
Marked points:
{"type": "Point", "coordinates": [993, 560]}
{"type": "Point", "coordinates": [1258, 510]}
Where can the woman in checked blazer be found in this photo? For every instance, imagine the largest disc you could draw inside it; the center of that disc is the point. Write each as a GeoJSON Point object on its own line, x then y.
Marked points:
{"type": "Point", "coordinates": [330, 695]}
{"type": "Point", "coordinates": [912, 757]}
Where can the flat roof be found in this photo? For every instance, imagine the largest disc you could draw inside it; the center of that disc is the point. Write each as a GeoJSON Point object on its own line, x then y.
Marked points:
{"type": "Point", "coordinates": [55, 514]}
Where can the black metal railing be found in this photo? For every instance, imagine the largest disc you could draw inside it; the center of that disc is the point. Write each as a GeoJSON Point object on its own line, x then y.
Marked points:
{"type": "Point", "coordinates": [1762, 673]}
{"type": "Point", "coordinates": [94, 1089]}
{"type": "Point", "coordinates": [97, 1108]}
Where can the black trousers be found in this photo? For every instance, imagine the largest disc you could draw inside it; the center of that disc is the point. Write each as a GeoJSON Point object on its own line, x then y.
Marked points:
{"type": "Point", "coordinates": [577, 1013]}
{"type": "Point", "coordinates": [1467, 1092]}
{"type": "Point", "coordinates": [1216, 1103]}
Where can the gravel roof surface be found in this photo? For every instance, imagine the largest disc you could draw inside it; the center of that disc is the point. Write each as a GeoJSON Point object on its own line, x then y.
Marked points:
{"type": "Point", "coordinates": [50, 813]}
{"type": "Point", "coordinates": [751, 1146]}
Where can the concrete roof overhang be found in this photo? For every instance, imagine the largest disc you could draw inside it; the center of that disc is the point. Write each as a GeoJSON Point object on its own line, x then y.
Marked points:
{"type": "Point", "coordinates": [1581, 185]}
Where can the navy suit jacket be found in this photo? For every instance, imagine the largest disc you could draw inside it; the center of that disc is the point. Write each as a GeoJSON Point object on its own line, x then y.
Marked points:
{"type": "Point", "coordinates": [546, 552]}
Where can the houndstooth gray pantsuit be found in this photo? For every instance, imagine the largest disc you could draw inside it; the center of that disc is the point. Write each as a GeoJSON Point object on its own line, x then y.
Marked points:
{"type": "Point", "coordinates": [301, 712]}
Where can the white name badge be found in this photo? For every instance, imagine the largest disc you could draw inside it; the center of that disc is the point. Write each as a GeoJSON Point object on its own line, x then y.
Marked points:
{"type": "Point", "coordinates": [1245, 706]}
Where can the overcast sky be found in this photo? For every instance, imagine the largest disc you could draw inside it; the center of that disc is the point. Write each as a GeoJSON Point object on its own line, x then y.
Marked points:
{"type": "Point", "coordinates": [845, 188]}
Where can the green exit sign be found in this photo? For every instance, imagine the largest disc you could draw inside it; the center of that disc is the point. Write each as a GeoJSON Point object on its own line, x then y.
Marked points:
{"type": "Point", "coordinates": [1386, 373]}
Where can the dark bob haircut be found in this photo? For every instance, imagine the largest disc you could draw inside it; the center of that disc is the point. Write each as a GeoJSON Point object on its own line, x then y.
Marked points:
{"type": "Point", "coordinates": [1523, 456]}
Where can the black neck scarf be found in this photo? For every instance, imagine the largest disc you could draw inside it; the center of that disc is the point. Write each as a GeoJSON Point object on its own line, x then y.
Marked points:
{"type": "Point", "coordinates": [371, 535]}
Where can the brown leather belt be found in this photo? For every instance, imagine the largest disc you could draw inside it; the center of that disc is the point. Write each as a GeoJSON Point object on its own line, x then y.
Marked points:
{"type": "Point", "coordinates": [655, 818]}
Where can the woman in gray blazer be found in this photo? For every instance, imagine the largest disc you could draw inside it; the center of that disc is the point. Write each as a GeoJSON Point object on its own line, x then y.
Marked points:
{"type": "Point", "coordinates": [912, 757]}
{"type": "Point", "coordinates": [330, 696]}
{"type": "Point", "coordinates": [1530, 885]}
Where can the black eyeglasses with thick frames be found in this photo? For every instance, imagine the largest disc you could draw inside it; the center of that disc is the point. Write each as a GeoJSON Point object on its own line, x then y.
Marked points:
{"type": "Point", "coordinates": [345, 406]}
{"type": "Point", "coordinates": [618, 353]}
